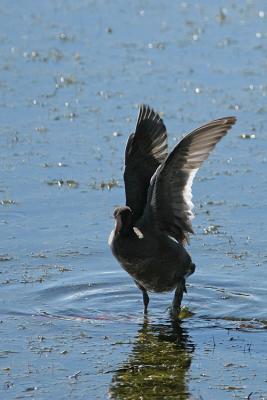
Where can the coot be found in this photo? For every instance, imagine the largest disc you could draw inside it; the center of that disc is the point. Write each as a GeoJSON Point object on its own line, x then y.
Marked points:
{"type": "Point", "coordinates": [152, 229]}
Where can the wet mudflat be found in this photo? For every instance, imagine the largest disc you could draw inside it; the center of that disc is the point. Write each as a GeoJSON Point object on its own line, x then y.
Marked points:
{"type": "Point", "coordinates": [71, 77]}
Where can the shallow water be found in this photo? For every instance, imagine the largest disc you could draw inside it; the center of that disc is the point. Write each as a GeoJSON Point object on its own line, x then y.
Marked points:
{"type": "Point", "coordinates": [72, 76]}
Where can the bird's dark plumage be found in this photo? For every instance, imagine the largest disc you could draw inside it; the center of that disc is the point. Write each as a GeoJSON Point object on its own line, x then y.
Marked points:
{"type": "Point", "coordinates": [146, 149]}
{"type": "Point", "coordinates": [151, 230]}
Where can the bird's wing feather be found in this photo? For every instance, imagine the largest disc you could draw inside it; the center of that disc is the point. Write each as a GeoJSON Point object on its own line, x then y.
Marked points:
{"type": "Point", "coordinates": [146, 149]}
{"type": "Point", "coordinates": [169, 202]}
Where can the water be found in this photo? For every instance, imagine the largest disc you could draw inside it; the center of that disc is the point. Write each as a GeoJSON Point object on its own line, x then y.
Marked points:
{"type": "Point", "coordinates": [72, 76]}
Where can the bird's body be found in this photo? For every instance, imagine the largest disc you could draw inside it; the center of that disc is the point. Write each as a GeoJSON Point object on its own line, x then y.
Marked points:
{"type": "Point", "coordinates": [144, 253]}
{"type": "Point", "coordinates": [151, 230]}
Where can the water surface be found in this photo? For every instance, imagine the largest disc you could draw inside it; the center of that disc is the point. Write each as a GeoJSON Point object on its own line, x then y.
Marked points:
{"type": "Point", "coordinates": [72, 76]}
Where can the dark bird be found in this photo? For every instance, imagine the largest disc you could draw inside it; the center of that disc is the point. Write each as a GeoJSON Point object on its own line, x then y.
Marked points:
{"type": "Point", "coordinates": [152, 229]}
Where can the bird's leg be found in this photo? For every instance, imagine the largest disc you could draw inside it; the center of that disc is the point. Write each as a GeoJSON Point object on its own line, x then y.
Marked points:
{"type": "Point", "coordinates": [178, 296]}
{"type": "Point", "coordinates": [145, 296]}
{"type": "Point", "coordinates": [145, 300]}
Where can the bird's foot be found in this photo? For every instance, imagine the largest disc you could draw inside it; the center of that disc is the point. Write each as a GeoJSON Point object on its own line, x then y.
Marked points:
{"type": "Point", "coordinates": [175, 312]}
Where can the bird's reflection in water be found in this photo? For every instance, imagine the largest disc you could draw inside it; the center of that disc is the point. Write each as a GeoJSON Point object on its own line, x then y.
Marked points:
{"type": "Point", "coordinates": [157, 366]}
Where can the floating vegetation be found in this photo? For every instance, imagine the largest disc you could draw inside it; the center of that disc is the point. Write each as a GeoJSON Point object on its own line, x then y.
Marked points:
{"type": "Point", "coordinates": [31, 279]}
{"type": "Point", "coordinates": [212, 230]}
{"type": "Point", "coordinates": [236, 256]}
{"type": "Point", "coordinates": [55, 182]}
{"type": "Point", "coordinates": [235, 107]}
{"type": "Point", "coordinates": [60, 182]}
{"type": "Point", "coordinates": [66, 80]}
{"type": "Point", "coordinates": [41, 129]}
{"type": "Point", "coordinates": [185, 313]}
{"type": "Point", "coordinates": [65, 37]}
{"type": "Point", "coordinates": [226, 42]}
{"type": "Point", "coordinates": [61, 268]}
{"type": "Point", "coordinates": [232, 388]}
{"type": "Point", "coordinates": [5, 257]}
{"type": "Point", "coordinates": [109, 185]}
{"type": "Point", "coordinates": [157, 45]}
{"type": "Point", "coordinates": [216, 203]}
{"type": "Point", "coordinates": [59, 164]}
{"type": "Point", "coordinates": [107, 95]}
{"type": "Point", "coordinates": [77, 57]}
{"type": "Point", "coordinates": [30, 389]}
{"type": "Point", "coordinates": [71, 115]}
{"type": "Point", "coordinates": [71, 183]}
{"type": "Point", "coordinates": [247, 136]}
{"type": "Point", "coordinates": [76, 375]}
{"type": "Point", "coordinates": [221, 17]}
{"type": "Point", "coordinates": [32, 55]}
{"type": "Point", "coordinates": [105, 185]}
{"type": "Point", "coordinates": [38, 255]}
{"type": "Point", "coordinates": [56, 55]}
{"type": "Point", "coordinates": [51, 55]}
{"type": "Point", "coordinates": [7, 202]}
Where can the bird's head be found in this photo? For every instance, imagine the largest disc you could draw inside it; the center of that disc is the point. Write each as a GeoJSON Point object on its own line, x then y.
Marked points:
{"type": "Point", "coordinates": [123, 220]}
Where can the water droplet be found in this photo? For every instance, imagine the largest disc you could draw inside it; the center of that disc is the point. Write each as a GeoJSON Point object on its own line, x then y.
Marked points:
{"type": "Point", "coordinates": [247, 136]}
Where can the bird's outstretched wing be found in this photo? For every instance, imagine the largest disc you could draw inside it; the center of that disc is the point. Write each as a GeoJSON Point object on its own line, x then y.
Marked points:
{"type": "Point", "coordinates": [169, 202]}
{"type": "Point", "coordinates": [146, 149]}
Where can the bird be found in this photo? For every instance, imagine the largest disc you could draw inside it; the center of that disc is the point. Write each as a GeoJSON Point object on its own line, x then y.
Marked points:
{"type": "Point", "coordinates": [153, 228]}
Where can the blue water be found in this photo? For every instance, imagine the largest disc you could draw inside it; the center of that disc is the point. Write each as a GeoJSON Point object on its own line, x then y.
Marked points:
{"type": "Point", "coordinates": [72, 75]}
